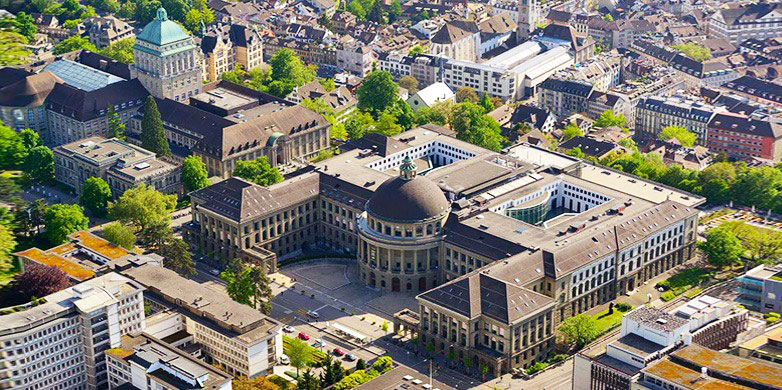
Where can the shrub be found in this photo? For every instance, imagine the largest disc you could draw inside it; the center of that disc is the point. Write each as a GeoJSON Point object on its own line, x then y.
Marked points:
{"type": "Point", "coordinates": [383, 364]}
{"type": "Point", "coordinates": [771, 317]}
{"type": "Point", "coordinates": [291, 374]}
{"type": "Point", "coordinates": [538, 366]}
{"type": "Point", "coordinates": [623, 307]}
{"type": "Point", "coordinates": [561, 357]}
{"type": "Point", "coordinates": [668, 296]}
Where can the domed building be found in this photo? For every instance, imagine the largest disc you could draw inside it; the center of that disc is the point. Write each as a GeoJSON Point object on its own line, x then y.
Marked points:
{"type": "Point", "coordinates": [401, 231]}
{"type": "Point", "coordinates": [166, 60]}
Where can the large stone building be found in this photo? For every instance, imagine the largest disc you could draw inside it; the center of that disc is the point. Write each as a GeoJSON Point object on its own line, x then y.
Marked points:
{"type": "Point", "coordinates": [225, 46]}
{"type": "Point", "coordinates": [458, 40]}
{"type": "Point", "coordinates": [122, 165]}
{"type": "Point", "coordinates": [228, 122]}
{"type": "Point", "coordinates": [166, 60]}
{"type": "Point", "coordinates": [22, 98]}
{"type": "Point", "coordinates": [103, 31]}
{"type": "Point", "coordinates": [654, 113]}
{"type": "Point", "coordinates": [61, 343]}
{"type": "Point", "coordinates": [501, 247]}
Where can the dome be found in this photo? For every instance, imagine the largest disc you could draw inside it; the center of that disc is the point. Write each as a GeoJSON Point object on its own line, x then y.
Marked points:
{"type": "Point", "coordinates": [407, 198]}
{"type": "Point", "coordinates": [161, 31]}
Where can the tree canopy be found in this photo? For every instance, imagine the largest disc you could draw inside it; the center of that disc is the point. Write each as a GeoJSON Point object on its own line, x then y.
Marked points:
{"type": "Point", "coordinates": [608, 119]}
{"type": "Point", "coordinates": [96, 195]}
{"type": "Point", "coordinates": [722, 247]}
{"type": "Point", "coordinates": [473, 125]}
{"type": "Point", "coordinates": [194, 173]}
{"type": "Point", "coordinates": [258, 171]}
{"type": "Point", "coordinates": [153, 136]}
{"type": "Point", "coordinates": [579, 330]}
{"type": "Point", "coordinates": [38, 280]}
{"type": "Point", "coordinates": [377, 93]}
{"type": "Point", "coordinates": [694, 51]}
{"type": "Point", "coordinates": [143, 206]}
{"type": "Point", "coordinates": [120, 235]}
{"type": "Point", "coordinates": [681, 134]}
{"type": "Point", "coordinates": [62, 220]}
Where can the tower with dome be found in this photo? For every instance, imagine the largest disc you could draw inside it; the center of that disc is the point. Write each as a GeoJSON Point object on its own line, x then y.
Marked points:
{"type": "Point", "coordinates": [167, 60]}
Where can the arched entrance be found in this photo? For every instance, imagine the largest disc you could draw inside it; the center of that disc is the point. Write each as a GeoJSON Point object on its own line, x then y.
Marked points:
{"type": "Point", "coordinates": [395, 285]}
{"type": "Point", "coordinates": [421, 284]}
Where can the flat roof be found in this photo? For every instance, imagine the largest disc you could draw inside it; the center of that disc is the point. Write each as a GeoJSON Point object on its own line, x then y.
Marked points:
{"type": "Point", "coordinates": [224, 98]}
{"type": "Point", "coordinates": [731, 365]}
{"type": "Point", "coordinates": [644, 189]}
{"type": "Point", "coordinates": [542, 157]}
{"type": "Point", "coordinates": [402, 375]}
{"type": "Point", "coordinates": [687, 378]}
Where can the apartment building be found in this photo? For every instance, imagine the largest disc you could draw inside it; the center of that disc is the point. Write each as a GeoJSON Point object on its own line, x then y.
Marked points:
{"type": "Point", "coordinates": [741, 21]}
{"type": "Point", "coordinates": [103, 31]}
{"type": "Point", "coordinates": [355, 58]}
{"type": "Point", "coordinates": [654, 113]}
{"type": "Point", "coordinates": [237, 337]}
{"type": "Point", "coordinates": [61, 343]}
{"type": "Point", "coordinates": [428, 213]}
{"type": "Point", "coordinates": [761, 289]}
{"type": "Point", "coordinates": [565, 97]}
{"type": "Point", "coordinates": [143, 361]}
{"type": "Point", "coordinates": [121, 164]}
{"type": "Point", "coordinates": [650, 336]}
{"type": "Point", "coordinates": [742, 136]}
{"type": "Point", "coordinates": [226, 46]}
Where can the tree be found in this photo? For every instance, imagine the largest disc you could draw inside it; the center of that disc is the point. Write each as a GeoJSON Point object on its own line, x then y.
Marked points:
{"type": "Point", "coordinates": [486, 103]}
{"type": "Point", "coordinates": [466, 94]}
{"type": "Point", "coordinates": [608, 18]}
{"type": "Point", "coordinates": [358, 125]}
{"type": "Point", "coordinates": [332, 372]}
{"type": "Point", "coordinates": [681, 134]}
{"type": "Point", "coordinates": [121, 50]}
{"type": "Point", "coordinates": [288, 72]}
{"type": "Point", "coordinates": [7, 245]}
{"type": "Point", "coordinates": [357, 9]}
{"type": "Point", "coordinates": [360, 364]}
{"type": "Point", "coordinates": [722, 247]}
{"type": "Point", "coordinates": [484, 371]}
{"type": "Point", "coordinates": [757, 187]}
{"type": "Point", "coordinates": [116, 127]}
{"type": "Point", "coordinates": [143, 206]}
{"type": "Point", "coordinates": [71, 9]}
{"type": "Point", "coordinates": [308, 381]}
{"type": "Point", "coordinates": [409, 83]}
{"type": "Point", "coordinates": [30, 139]}
{"type": "Point", "coordinates": [328, 84]}
{"type": "Point", "coordinates": [156, 234]}
{"type": "Point", "coordinates": [607, 119]}
{"type": "Point", "coordinates": [249, 285]}
{"type": "Point", "coordinates": [299, 354]}
{"type": "Point", "coordinates": [579, 330]}
{"type": "Point", "coordinates": [387, 125]}
{"type": "Point", "coordinates": [762, 245]}
{"type": "Point", "coordinates": [417, 49]}
{"type": "Point", "coordinates": [120, 235]}
{"type": "Point", "coordinates": [177, 254]}
{"type": "Point", "coordinates": [25, 25]}
{"type": "Point", "coordinates": [259, 383]}
{"type": "Point", "coordinates": [37, 213]}
{"type": "Point", "coordinates": [72, 43]}
{"type": "Point", "coordinates": [394, 11]}
{"type": "Point", "coordinates": [377, 93]}
{"type": "Point", "coordinates": [194, 174]}
{"type": "Point", "coordinates": [696, 52]}
{"type": "Point", "coordinates": [38, 280]}
{"type": "Point", "coordinates": [467, 362]}
{"type": "Point", "coordinates": [96, 195]}
{"type": "Point", "coordinates": [39, 164]}
{"type": "Point", "coordinates": [62, 220]}
{"type": "Point", "coordinates": [571, 131]}
{"type": "Point", "coordinates": [12, 49]}
{"type": "Point", "coordinates": [153, 137]}
{"type": "Point", "coordinates": [258, 171]}
{"type": "Point", "coordinates": [46, 7]}
{"type": "Point", "coordinates": [12, 150]}
{"type": "Point", "coordinates": [473, 125]}
{"type": "Point", "coordinates": [440, 113]}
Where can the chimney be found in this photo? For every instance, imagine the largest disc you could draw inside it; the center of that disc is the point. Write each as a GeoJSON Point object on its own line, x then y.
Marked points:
{"type": "Point", "coordinates": [103, 64]}
{"type": "Point", "coordinates": [704, 372]}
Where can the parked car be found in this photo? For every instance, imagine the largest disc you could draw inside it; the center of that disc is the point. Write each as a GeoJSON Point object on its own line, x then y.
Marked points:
{"type": "Point", "coordinates": [288, 329]}
{"type": "Point", "coordinates": [214, 272]}
{"type": "Point", "coordinates": [284, 359]}
{"type": "Point", "coordinates": [304, 336]}
{"type": "Point", "coordinates": [350, 357]}
{"type": "Point", "coordinates": [339, 351]}
{"type": "Point", "coordinates": [319, 343]}
{"type": "Point", "coordinates": [313, 314]}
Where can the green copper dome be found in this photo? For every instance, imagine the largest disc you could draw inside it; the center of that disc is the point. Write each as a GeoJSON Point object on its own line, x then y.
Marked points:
{"type": "Point", "coordinates": [161, 31]}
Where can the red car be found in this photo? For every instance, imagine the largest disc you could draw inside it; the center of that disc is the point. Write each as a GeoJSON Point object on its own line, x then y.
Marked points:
{"type": "Point", "coordinates": [304, 336]}
{"type": "Point", "coordinates": [339, 351]}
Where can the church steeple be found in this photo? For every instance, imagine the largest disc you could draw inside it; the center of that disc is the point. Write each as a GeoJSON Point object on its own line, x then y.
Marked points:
{"type": "Point", "coordinates": [408, 170]}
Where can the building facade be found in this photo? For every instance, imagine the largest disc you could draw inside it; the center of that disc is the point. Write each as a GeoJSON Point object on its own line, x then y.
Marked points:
{"type": "Point", "coordinates": [103, 31]}
{"type": "Point", "coordinates": [654, 113]}
{"type": "Point", "coordinates": [225, 46]}
{"type": "Point", "coordinates": [167, 61]}
{"type": "Point", "coordinates": [741, 136]}
{"type": "Point", "coordinates": [739, 22]}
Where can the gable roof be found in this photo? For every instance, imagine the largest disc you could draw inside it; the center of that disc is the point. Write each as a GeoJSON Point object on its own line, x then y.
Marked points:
{"type": "Point", "coordinates": [454, 31]}
{"type": "Point", "coordinates": [86, 105]}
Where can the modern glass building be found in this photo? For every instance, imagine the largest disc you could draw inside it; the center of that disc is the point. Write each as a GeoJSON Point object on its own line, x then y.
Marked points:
{"type": "Point", "coordinates": [532, 211]}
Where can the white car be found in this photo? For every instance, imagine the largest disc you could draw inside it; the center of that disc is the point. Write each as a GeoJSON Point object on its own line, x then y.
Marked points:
{"type": "Point", "coordinates": [313, 314]}
{"type": "Point", "coordinates": [319, 343]}
{"type": "Point", "coordinates": [288, 329]}
{"type": "Point", "coordinates": [214, 272]}
{"type": "Point", "coordinates": [284, 359]}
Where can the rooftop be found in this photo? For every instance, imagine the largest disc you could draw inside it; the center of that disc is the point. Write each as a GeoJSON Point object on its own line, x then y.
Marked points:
{"type": "Point", "coordinates": [402, 377]}
{"type": "Point", "coordinates": [81, 76]}
{"type": "Point", "coordinates": [741, 369]}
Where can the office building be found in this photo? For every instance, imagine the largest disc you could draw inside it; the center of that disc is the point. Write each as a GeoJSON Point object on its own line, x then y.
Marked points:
{"type": "Point", "coordinates": [739, 22]}
{"type": "Point", "coordinates": [61, 343]}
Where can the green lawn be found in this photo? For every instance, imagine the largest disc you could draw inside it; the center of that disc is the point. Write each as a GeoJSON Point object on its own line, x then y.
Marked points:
{"type": "Point", "coordinates": [685, 280]}
{"type": "Point", "coordinates": [607, 321]}
{"type": "Point", "coordinates": [317, 356]}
